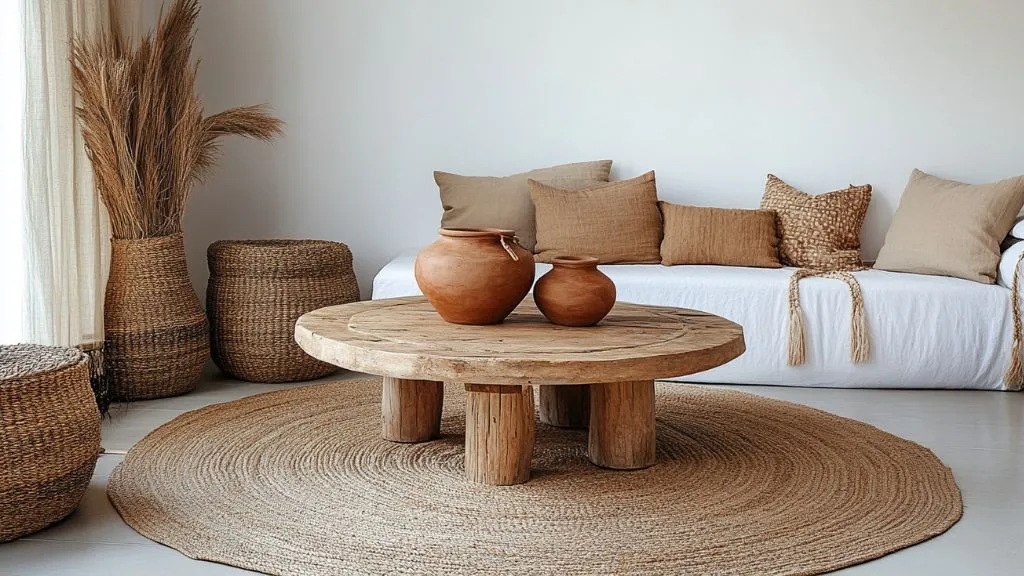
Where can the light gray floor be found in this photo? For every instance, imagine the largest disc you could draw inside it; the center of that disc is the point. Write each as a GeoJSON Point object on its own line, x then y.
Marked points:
{"type": "Point", "coordinates": [980, 435]}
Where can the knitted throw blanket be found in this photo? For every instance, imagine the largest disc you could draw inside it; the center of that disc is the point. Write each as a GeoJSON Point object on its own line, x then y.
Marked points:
{"type": "Point", "coordinates": [859, 341]}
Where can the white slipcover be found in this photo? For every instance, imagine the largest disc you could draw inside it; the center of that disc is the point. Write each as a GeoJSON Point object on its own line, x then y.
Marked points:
{"type": "Point", "coordinates": [925, 331]}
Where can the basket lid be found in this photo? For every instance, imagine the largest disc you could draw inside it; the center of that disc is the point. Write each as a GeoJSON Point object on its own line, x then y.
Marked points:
{"type": "Point", "coordinates": [278, 258]}
{"type": "Point", "coordinates": [22, 360]}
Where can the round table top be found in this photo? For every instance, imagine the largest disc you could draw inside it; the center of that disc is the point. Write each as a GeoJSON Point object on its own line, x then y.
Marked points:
{"type": "Point", "coordinates": [405, 338]}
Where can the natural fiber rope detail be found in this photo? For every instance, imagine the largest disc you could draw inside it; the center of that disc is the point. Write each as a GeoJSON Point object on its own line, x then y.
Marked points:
{"type": "Point", "coordinates": [300, 482]}
{"type": "Point", "coordinates": [1014, 376]}
{"type": "Point", "coordinates": [860, 345]}
{"type": "Point", "coordinates": [508, 243]}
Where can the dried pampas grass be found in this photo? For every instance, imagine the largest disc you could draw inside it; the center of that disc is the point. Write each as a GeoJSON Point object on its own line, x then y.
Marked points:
{"type": "Point", "coordinates": [143, 123]}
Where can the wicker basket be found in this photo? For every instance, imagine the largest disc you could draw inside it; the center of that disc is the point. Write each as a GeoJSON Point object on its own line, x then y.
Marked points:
{"type": "Point", "coordinates": [49, 436]}
{"type": "Point", "coordinates": [258, 289]}
{"type": "Point", "coordinates": [157, 335]}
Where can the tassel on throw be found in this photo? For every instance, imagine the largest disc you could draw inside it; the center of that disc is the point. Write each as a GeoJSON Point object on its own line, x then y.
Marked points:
{"type": "Point", "coordinates": [860, 346]}
{"type": "Point", "coordinates": [860, 343]}
{"type": "Point", "coordinates": [1014, 376]}
{"type": "Point", "coordinates": [797, 352]}
{"type": "Point", "coordinates": [797, 349]}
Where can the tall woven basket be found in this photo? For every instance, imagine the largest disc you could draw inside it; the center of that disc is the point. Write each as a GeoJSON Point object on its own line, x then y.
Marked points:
{"type": "Point", "coordinates": [258, 289]}
{"type": "Point", "coordinates": [49, 436]}
{"type": "Point", "coordinates": [157, 334]}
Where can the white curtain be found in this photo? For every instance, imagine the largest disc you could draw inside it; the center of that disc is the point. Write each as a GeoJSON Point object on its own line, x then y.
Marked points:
{"type": "Point", "coordinates": [67, 237]}
{"type": "Point", "coordinates": [12, 277]}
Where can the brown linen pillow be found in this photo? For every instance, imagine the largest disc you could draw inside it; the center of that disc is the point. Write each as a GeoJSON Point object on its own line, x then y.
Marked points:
{"type": "Point", "coordinates": [720, 236]}
{"type": "Point", "coordinates": [820, 232]}
{"type": "Point", "coordinates": [493, 202]}
{"type": "Point", "coordinates": [949, 228]}
{"type": "Point", "coordinates": [613, 222]}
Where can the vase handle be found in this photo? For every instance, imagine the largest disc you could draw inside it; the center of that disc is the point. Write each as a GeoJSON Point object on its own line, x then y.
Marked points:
{"type": "Point", "coordinates": [507, 242]}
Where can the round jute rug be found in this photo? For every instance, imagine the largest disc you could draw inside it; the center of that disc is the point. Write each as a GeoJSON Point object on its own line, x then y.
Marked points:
{"type": "Point", "coordinates": [300, 482]}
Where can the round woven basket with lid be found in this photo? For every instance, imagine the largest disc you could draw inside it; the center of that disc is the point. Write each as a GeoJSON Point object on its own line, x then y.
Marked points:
{"type": "Point", "coordinates": [49, 436]}
{"type": "Point", "coordinates": [258, 289]}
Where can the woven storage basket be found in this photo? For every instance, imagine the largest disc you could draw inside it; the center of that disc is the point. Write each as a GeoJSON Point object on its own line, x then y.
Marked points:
{"type": "Point", "coordinates": [49, 436]}
{"type": "Point", "coordinates": [157, 335]}
{"type": "Point", "coordinates": [258, 289]}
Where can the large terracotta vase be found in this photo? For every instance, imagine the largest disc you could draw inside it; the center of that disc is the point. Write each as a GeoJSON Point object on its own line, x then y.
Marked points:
{"type": "Point", "coordinates": [574, 292]}
{"type": "Point", "coordinates": [475, 275]}
{"type": "Point", "coordinates": [157, 337]}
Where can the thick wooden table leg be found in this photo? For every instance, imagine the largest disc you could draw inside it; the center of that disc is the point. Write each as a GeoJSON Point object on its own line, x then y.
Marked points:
{"type": "Point", "coordinates": [411, 409]}
{"type": "Point", "coordinates": [565, 406]}
{"type": "Point", "coordinates": [622, 425]}
{"type": "Point", "coordinates": [499, 433]}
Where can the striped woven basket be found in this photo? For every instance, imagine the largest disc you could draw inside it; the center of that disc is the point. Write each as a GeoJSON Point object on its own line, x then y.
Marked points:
{"type": "Point", "coordinates": [156, 331]}
{"type": "Point", "coordinates": [49, 436]}
{"type": "Point", "coordinates": [258, 289]}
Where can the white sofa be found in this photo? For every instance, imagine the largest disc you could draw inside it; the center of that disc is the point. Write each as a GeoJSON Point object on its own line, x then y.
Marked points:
{"type": "Point", "coordinates": [925, 331]}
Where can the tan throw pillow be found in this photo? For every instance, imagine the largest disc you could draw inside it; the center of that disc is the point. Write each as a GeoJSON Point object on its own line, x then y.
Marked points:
{"type": "Point", "coordinates": [720, 236]}
{"type": "Point", "coordinates": [613, 222]}
{"type": "Point", "coordinates": [950, 228]}
{"type": "Point", "coordinates": [820, 232]}
{"type": "Point", "coordinates": [492, 202]}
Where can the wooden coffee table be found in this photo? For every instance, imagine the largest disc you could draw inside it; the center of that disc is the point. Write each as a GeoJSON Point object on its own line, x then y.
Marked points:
{"type": "Point", "coordinates": [602, 375]}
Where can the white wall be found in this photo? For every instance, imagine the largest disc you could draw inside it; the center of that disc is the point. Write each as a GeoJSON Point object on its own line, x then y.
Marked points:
{"type": "Point", "coordinates": [712, 94]}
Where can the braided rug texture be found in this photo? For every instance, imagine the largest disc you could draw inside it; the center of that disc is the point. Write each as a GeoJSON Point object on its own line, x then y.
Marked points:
{"type": "Point", "coordinates": [300, 482]}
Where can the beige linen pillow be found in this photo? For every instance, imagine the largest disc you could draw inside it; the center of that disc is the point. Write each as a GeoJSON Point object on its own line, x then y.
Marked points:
{"type": "Point", "coordinates": [719, 236]}
{"type": "Point", "coordinates": [613, 222]}
{"type": "Point", "coordinates": [820, 232]}
{"type": "Point", "coordinates": [949, 228]}
{"type": "Point", "coordinates": [493, 202]}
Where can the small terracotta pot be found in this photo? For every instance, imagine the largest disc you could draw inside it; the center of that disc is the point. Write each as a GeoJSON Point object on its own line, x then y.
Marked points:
{"type": "Point", "coordinates": [574, 292]}
{"type": "Point", "coordinates": [475, 275]}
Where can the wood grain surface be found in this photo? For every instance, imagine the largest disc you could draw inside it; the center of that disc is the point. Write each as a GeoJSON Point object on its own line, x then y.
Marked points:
{"type": "Point", "coordinates": [565, 406]}
{"type": "Point", "coordinates": [622, 425]}
{"type": "Point", "coordinates": [499, 434]}
{"type": "Point", "coordinates": [411, 409]}
{"type": "Point", "coordinates": [405, 338]}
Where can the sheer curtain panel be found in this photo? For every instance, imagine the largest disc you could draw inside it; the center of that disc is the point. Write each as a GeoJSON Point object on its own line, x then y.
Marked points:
{"type": "Point", "coordinates": [67, 242]}
{"type": "Point", "coordinates": [12, 278]}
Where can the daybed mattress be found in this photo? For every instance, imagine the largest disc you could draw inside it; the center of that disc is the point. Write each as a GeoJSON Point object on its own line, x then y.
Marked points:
{"type": "Point", "coordinates": [925, 331]}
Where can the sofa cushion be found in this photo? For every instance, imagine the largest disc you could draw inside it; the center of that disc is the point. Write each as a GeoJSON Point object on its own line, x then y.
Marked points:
{"type": "Point", "coordinates": [722, 236]}
{"type": "Point", "coordinates": [949, 228]}
{"type": "Point", "coordinates": [821, 231]}
{"type": "Point", "coordinates": [493, 202]}
{"type": "Point", "coordinates": [613, 222]}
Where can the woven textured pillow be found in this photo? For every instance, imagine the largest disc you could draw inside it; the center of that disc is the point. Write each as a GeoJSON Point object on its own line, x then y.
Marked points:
{"type": "Point", "coordinates": [820, 232]}
{"type": "Point", "coordinates": [613, 222]}
{"type": "Point", "coordinates": [949, 228]}
{"type": "Point", "coordinates": [493, 202]}
{"type": "Point", "coordinates": [719, 236]}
